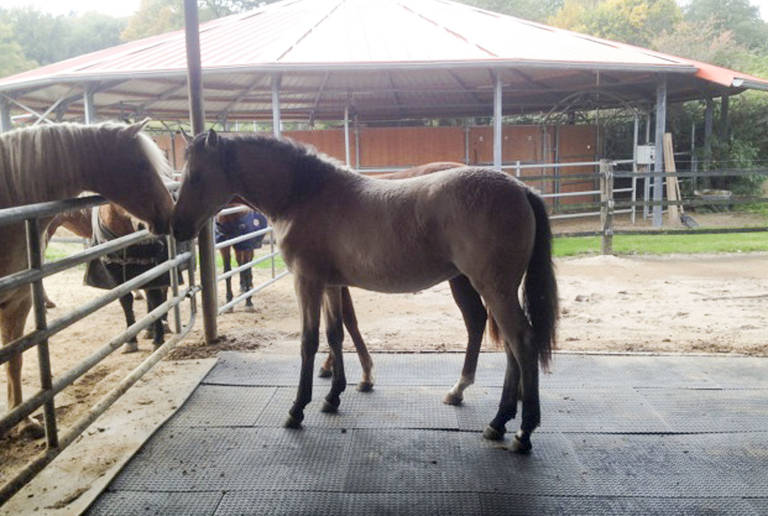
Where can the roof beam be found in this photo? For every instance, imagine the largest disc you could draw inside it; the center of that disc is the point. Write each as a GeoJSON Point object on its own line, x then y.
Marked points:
{"type": "Point", "coordinates": [319, 94]}
{"type": "Point", "coordinates": [240, 96]}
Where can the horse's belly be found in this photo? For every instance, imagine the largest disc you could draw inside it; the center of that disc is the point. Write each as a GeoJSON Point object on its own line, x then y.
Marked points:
{"type": "Point", "coordinates": [407, 279]}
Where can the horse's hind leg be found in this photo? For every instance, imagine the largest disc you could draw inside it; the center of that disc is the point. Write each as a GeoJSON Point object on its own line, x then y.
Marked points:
{"type": "Point", "coordinates": [522, 372]}
{"type": "Point", "coordinates": [310, 296]}
{"type": "Point", "coordinates": [246, 276]}
{"type": "Point", "coordinates": [475, 316]}
{"type": "Point", "coordinates": [350, 323]}
{"type": "Point", "coordinates": [12, 319]}
{"type": "Point", "coordinates": [335, 334]}
{"type": "Point", "coordinates": [126, 303]}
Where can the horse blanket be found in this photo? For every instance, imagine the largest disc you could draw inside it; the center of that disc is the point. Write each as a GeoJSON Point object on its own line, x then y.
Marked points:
{"type": "Point", "coordinates": [244, 223]}
{"type": "Point", "coordinates": [113, 269]}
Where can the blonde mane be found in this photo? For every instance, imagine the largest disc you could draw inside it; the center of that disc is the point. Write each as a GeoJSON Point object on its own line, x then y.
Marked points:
{"type": "Point", "coordinates": [51, 162]}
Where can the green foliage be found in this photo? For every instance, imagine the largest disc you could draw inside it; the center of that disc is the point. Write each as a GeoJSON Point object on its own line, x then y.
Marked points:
{"type": "Point", "coordinates": [665, 244]}
{"type": "Point", "coordinates": [739, 17]}
{"type": "Point", "coordinates": [629, 21]}
{"type": "Point", "coordinates": [536, 10]}
{"type": "Point", "coordinates": [12, 58]}
{"type": "Point", "coordinates": [30, 38]}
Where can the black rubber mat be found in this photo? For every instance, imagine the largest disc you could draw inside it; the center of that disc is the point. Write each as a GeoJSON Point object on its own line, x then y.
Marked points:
{"type": "Point", "coordinates": [719, 410]}
{"type": "Point", "coordinates": [509, 505]}
{"type": "Point", "coordinates": [619, 435]}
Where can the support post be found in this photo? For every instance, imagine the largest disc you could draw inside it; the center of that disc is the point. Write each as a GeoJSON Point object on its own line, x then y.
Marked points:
{"type": "Point", "coordinates": [89, 111]}
{"type": "Point", "coordinates": [635, 141]}
{"type": "Point", "coordinates": [5, 116]}
{"type": "Point", "coordinates": [497, 128]}
{"type": "Point", "coordinates": [197, 116]}
{"type": "Point", "coordinates": [346, 134]}
{"type": "Point", "coordinates": [606, 206]}
{"type": "Point", "coordinates": [724, 122]}
{"type": "Point", "coordinates": [709, 112]}
{"type": "Point", "coordinates": [277, 130]}
{"type": "Point", "coordinates": [35, 260]}
{"type": "Point", "coordinates": [658, 166]}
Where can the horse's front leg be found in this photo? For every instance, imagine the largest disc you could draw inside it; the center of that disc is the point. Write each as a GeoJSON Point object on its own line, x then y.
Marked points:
{"type": "Point", "coordinates": [309, 294]}
{"type": "Point", "coordinates": [12, 319]}
{"type": "Point", "coordinates": [335, 333]}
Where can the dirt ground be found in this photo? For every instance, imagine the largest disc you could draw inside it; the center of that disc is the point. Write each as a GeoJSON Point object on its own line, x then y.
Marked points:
{"type": "Point", "coordinates": [698, 303]}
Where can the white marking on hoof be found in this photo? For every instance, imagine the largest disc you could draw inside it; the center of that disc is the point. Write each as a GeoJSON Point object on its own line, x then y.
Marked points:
{"type": "Point", "coordinates": [492, 434]}
{"type": "Point", "coordinates": [130, 347]}
{"type": "Point", "coordinates": [521, 444]}
{"type": "Point", "coordinates": [292, 422]}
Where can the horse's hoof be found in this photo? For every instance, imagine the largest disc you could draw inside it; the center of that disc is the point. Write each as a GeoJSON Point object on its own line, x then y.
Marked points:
{"type": "Point", "coordinates": [148, 334]}
{"type": "Point", "coordinates": [292, 422]}
{"type": "Point", "coordinates": [166, 327]}
{"type": "Point", "coordinates": [492, 434]}
{"type": "Point", "coordinates": [329, 407]}
{"type": "Point", "coordinates": [130, 347]}
{"type": "Point", "coordinates": [156, 346]}
{"type": "Point", "coordinates": [521, 444]}
{"type": "Point", "coordinates": [453, 399]}
{"type": "Point", "coordinates": [324, 373]}
{"type": "Point", "coordinates": [365, 387]}
{"type": "Point", "coordinates": [49, 304]}
{"type": "Point", "coordinates": [30, 429]}
{"type": "Point", "coordinates": [250, 308]}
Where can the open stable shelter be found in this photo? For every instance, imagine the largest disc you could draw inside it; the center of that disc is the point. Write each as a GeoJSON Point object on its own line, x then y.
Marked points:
{"type": "Point", "coordinates": [369, 63]}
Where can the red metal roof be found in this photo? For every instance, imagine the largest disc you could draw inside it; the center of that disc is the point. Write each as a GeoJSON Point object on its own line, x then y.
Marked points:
{"type": "Point", "coordinates": [438, 44]}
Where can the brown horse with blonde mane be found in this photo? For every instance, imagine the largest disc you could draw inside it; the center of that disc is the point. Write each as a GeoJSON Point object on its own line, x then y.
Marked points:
{"type": "Point", "coordinates": [59, 161]}
{"type": "Point", "coordinates": [337, 228]}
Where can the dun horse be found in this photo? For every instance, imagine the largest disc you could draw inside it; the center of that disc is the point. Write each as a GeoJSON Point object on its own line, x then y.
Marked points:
{"type": "Point", "coordinates": [466, 297]}
{"type": "Point", "coordinates": [59, 161]}
{"type": "Point", "coordinates": [337, 228]}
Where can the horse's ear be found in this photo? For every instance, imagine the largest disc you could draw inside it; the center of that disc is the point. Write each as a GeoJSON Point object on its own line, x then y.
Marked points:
{"type": "Point", "coordinates": [211, 139]}
{"type": "Point", "coordinates": [134, 129]}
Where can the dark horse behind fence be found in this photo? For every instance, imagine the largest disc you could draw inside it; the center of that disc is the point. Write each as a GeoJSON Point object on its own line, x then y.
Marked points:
{"type": "Point", "coordinates": [232, 225]}
{"type": "Point", "coordinates": [337, 228]}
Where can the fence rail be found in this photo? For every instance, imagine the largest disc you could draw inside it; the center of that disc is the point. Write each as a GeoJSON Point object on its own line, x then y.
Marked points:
{"type": "Point", "coordinates": [609, 205]}
{"type": "Point", "coordinates": [33, 275]}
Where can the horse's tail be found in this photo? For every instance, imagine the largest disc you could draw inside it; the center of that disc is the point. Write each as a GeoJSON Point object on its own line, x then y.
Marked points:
{"type": "Point", "coordinates": [539, 288]}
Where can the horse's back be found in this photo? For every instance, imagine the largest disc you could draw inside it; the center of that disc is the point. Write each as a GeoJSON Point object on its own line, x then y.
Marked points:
{"type": "Point", "coordinates": [409, 234]}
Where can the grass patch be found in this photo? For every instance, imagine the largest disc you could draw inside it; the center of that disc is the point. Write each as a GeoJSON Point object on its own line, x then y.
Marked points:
{"type": "Point", "coordinates": [665, 244]}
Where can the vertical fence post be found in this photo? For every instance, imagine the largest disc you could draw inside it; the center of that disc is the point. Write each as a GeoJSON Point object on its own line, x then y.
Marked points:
{"type": "Point", "coordinates": [205, 237]}
{"type": "Point", "coordinates": [35, 258]}
{"type": "Point", "coordinates": [606, 205]}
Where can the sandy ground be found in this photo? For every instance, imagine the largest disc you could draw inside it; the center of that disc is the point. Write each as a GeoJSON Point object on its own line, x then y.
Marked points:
{"type": "Point", "coordinates": [701, 303]}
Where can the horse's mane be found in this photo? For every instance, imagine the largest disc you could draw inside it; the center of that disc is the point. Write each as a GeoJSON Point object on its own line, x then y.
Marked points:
{"type": "Point", "coordinates": [49, 162]}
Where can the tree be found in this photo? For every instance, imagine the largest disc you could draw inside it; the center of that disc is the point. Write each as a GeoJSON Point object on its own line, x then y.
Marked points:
{"type": "Point", "coordinates": [159, 16]}
{"type": "Point", "coordinates": [12, 58]}
{"type": "Point", "coordinates": [536, 10]}
{"type": "Point", "coordinates": [630, 21]}
{"type": "Point", "coordinates": [738, 17]}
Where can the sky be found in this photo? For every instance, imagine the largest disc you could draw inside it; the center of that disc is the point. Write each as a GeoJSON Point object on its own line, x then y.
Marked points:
{"type": "Point", "coordinates": [120, 8]}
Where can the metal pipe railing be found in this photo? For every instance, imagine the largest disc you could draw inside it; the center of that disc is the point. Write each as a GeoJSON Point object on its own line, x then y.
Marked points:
{"type": "Point", "coordinates": [33, 275]}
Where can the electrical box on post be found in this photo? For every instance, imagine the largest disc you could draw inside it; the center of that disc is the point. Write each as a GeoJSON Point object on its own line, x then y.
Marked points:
{"type": "Point", "coordinates": [646, 154]}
